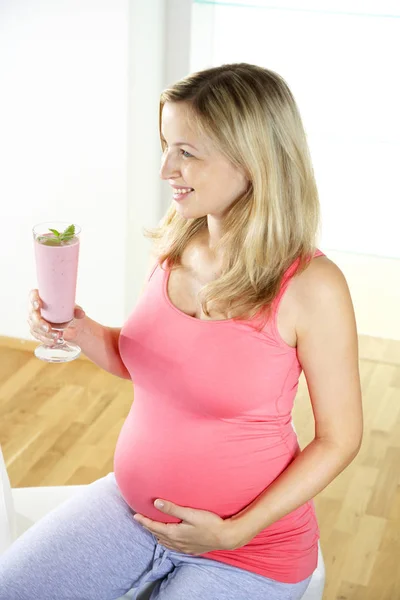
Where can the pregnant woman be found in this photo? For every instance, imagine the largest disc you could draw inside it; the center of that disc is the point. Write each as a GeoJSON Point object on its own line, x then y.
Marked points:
{"type": "Point", "coordinates": [210, 493]}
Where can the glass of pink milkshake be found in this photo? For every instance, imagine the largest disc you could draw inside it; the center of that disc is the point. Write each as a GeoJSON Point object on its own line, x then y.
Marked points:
{"type": "Point", "coordinates": [56, 253]}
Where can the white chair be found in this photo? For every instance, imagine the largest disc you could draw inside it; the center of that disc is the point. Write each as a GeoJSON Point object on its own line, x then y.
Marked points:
{"type": "Point", "coordinates": [21, 507]}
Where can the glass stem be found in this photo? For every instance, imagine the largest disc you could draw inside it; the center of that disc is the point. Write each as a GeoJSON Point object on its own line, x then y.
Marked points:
{"type": "Point", "coordinates": [60, 340]}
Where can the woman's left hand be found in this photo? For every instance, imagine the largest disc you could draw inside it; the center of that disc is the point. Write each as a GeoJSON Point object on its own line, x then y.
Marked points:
{"type": "Point", "coordinates": [200, 531]}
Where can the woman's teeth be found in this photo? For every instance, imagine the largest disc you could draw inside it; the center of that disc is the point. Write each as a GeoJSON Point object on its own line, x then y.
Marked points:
{"type": "Point", "coordinates": [182, 193]}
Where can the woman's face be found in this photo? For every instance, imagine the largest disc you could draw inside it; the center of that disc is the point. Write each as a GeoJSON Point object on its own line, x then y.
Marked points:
{"type": "Point", "coordinates": [191, 161]}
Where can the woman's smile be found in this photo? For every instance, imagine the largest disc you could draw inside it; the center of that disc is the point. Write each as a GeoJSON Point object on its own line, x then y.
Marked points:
{"type": "Point", "coordinates": [179, 195]}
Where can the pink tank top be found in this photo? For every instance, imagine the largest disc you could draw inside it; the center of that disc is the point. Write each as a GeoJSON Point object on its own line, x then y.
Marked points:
{"type": "Point", "coordinates": [210, 426]}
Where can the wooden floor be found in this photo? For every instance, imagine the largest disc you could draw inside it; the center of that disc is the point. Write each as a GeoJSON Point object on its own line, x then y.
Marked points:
{"type": "Point", "coordinates": [59, 425]}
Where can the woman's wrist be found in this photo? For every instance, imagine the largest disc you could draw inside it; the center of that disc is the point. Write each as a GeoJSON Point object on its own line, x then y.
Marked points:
{"type": "Point", "coordinates": [82, 329]}
{"type": "Point", "coordinates": [237, 534]}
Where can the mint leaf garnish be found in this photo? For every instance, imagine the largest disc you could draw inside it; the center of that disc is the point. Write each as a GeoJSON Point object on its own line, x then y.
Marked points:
{"type": "Point", "coordinates": [58, 238]}
{"type": "Point", "coordinates": [57, 233]}
{"type": "Point", "coordinates": [49, 241]}
{"type": "Point", "coordinates": [69, 231]}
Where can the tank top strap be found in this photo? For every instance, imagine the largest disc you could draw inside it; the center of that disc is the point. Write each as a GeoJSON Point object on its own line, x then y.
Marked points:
{"type": "Point", "coordinates": [289, 274]}
{"type": "Point", "coordinates": [318, 252]}
{"type": "Point", "coordinates": [152, 271]}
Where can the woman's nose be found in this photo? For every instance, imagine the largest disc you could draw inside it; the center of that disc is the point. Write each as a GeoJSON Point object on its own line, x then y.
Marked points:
{"type": "Point", "coordinates": [169, 168]}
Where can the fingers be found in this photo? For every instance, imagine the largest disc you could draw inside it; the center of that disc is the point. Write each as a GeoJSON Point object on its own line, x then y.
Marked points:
{"type": "Point", "coordinates": [34, 299]}
{"type": "Point", "coordinates": [79, 313]}
{"type": "Point", "coordinates": [50, 337]}
{"type": "Point", "coordinates": [34, 317]}
{"type": "Point", "coordinates": [39, 328]}
{"type": "Point", "coordinates": [48, 340]}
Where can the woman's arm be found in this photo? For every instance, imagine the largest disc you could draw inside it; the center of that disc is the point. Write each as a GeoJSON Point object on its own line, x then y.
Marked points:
{"type": "Point", "coordinates": [100, 344]}
{"type": "Point", "coordinates": [327, 348]}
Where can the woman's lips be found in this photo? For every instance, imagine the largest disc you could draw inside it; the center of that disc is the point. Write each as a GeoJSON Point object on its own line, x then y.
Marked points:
{"type": "Point", "coordinates": [179, 197]}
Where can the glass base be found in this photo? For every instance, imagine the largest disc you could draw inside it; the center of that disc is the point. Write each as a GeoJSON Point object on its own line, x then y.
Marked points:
{"type": "Point", "coordinates": [58, 353]}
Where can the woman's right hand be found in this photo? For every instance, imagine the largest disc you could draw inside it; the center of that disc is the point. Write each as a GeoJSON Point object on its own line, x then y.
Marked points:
{"type": "Point", "coordinates": [37, 324]}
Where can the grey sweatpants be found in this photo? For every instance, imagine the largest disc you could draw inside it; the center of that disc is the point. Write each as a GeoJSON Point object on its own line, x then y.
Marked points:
{"type": "Point", "coordinates": [91, 548]}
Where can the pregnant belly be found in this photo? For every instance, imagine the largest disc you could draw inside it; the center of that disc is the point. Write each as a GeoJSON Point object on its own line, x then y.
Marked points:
{"type": "Point", "coordinates": [198, 467]}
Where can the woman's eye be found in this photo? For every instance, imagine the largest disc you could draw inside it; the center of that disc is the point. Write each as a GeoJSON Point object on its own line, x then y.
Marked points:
{"type": "Point", "coordinates": [186, 154]}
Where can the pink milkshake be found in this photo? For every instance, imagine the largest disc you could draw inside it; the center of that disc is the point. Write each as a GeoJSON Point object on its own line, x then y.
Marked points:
{"type": "Point", "coordinates": [57, 272]}
{"type": "Point", "coordinates": [56, 253]}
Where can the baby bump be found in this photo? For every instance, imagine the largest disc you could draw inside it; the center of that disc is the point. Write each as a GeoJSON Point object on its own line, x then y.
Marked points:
{"type": "Point", "coordinates": [222, 480]}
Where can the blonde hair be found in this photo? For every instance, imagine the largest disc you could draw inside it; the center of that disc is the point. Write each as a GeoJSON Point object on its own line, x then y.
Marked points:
{"type": "Point", "coordinates": [250, 115]}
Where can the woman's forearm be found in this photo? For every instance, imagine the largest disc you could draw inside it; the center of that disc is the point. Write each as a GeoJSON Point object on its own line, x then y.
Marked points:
{"type": "Point", "coordinates": [100, 344]}
{"type": "Point", "coordinates": [307, 475]}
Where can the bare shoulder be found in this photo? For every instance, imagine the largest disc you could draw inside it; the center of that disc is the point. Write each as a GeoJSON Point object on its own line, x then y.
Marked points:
{"type": "Point", "coordinates": [327, 349]}
{"type": "Point", "coordinates": [318, 289]}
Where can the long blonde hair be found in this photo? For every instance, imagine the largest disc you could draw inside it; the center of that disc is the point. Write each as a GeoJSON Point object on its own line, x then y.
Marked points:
{"type": "Point", "coordinates": [252, 118]}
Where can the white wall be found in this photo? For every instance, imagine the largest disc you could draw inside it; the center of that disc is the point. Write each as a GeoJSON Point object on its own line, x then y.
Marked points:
{"type": "Point", "coordinates": [348, 98]}
{"type": "Point", "coordinates": [158, 56]}
{"type": "Point", "coordinates": [80, 83]}
{"type": "Point", "coordinates": [63, 148]}
{"type": "Point", "coordinates": [374, 283]}
{"type": "Point", "coordinates": [340, 60]}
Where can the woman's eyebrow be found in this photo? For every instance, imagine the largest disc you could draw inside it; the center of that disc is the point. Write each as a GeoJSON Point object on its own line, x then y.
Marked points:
{"type": "Point", "coordinates": [184, 144]}
{"type": "Point", "coordinates": [180, 143]}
